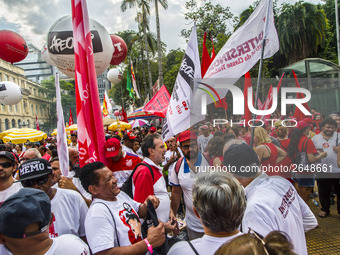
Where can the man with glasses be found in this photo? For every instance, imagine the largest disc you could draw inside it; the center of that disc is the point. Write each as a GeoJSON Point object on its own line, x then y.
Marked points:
{"type": "Point", "coordinates": [68, 206]}
{"type": "Point", "coordinates": [328, 140]}
{"type": "Point", "coordinates": [7, 169]}
{"type": "Point", "coordinates": [182, 180]}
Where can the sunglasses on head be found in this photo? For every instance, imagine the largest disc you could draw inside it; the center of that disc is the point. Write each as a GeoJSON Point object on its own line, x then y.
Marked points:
{"type": "Point", "coordinates": [6, 164]}
{"type": "Point", "coordinates": [31, 182]}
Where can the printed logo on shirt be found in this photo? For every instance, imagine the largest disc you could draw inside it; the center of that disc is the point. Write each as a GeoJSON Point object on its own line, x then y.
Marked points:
{"type": "Point", "coordinates": [325, 145]}
{"type": "Point", "coordinates": [287, 200]}
{"type": "Point", "coordinates": [131, 220]}
{"type": "Point", "coordinates": [129, 162]}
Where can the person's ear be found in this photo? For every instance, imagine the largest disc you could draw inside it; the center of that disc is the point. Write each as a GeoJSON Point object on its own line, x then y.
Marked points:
{"type": "Point", "coordinates": [93, 189]}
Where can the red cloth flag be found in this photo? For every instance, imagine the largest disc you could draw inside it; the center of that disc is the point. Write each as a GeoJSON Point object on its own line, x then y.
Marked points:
{"type": "Point", "coordinates": [70, 120]}
{"type": "Point", "coordinates": [259, 104]}
{"type": "Point", "coordinates": [221, 103]}
{"type": "Point", "coordinates": [91, 136]}
{"type": "Point", "coordinates": [158, 105]}
{"type": "Point", "coordinates": [205, 63]}
{"type": "Point", "coordinates": [298, 114]}
{"type": "Point", "coordinates": [213, 54]}
{"type": "Point", "coordinates": [36, 122]}
{"type": "Point", "coordinates": [124, 116]}
{"type": "Point", "coordinates": [247, 84]}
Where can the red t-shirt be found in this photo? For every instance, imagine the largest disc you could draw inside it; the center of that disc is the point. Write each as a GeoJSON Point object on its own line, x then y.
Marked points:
{"type": "Point", "coordinates": [310, 148]}
{"type": "Point", "coordinates": [284, 144]}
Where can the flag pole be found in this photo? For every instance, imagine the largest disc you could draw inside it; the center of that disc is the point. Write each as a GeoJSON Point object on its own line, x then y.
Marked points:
{"type": "Point", "coordinates": [260, 72]}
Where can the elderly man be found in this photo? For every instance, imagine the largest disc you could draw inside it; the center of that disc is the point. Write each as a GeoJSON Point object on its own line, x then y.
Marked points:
{"type": "Point", "coordinates": [68, 206]}
{"type": "Point", "coordinates": [219, 202]}
{"type": "Point", "coordinates": [25, 218]}
{"type": "Point", "coordinates": [31, 153]}
{"type": "Point", "coordinates": [112, 223]}
{"type": "Point", "coordinates": [272, 202]}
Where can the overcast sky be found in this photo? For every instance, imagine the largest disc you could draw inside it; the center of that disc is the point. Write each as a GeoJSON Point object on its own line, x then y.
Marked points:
{"type": "Point", "coordinates": [33, 18]}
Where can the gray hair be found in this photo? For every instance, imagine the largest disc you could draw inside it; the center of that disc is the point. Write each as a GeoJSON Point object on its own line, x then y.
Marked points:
{"type": "Point", "coordinates": [220, 201]}
{"type": "Point", "coordinates": [36, 152]}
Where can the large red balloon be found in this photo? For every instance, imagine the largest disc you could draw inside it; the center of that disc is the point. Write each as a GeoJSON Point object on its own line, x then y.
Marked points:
{"type": "Point", "coordinates": [119, 50]}
{"type": "Point", "coordinates": [13, 47]}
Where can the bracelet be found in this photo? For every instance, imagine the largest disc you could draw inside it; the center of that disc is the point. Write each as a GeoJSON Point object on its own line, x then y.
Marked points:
{"type": "Point", "coordinates": [149, 245]}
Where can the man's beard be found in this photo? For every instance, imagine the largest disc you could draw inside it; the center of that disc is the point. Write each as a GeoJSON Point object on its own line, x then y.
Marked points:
{"type": "Point", "coordinates": [191, 155]}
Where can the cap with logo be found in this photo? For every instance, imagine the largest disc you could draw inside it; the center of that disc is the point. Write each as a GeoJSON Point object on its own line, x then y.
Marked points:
{"type": "Point", "coordinates": [7, 154]}
{"type": "Point", "coordinates": [112, 147]}
{"type": "Point", "coordinates": [34, 168]}
{"type": "Point", "coordinates": [129, 136]}
{"type": "Point", "coordinates": [23, 208]}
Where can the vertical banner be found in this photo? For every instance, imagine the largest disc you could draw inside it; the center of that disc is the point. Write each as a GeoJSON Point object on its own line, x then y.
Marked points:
{"type": "Point", "coordinates": [61, 132]}
{"type": "Point", "coordinates": [91, 136]}
{"type": "Point", "coordinates": [134, 84]}
{"type": "Point", "coordinates": [37, 122]}
{"type": "Point", "coordinates": [178, 114]}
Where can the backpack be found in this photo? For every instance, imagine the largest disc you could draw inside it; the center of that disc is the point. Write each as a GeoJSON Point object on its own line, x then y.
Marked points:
{"type": "Point", "coordinates": [127, 186]}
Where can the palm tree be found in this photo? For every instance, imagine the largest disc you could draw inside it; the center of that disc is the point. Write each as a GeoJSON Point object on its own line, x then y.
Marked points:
{"type": "Point", "coordinates": [164, 4]}
{"type": "Point", "coordinates": [302, 29]}
{"type": "Point", "coordinates": [143, 17]}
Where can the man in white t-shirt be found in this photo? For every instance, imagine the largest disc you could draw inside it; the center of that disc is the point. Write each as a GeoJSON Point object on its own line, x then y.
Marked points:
{"type": "Point", "coordinates": [7, 168]}
{"type": "Point", "coordinates": [171, 156]}
{"type": "Point", "coordinates": [272, 202]}
{"type": "Point", "coordinates": [24, 222]}
{"type": "Point", "coordinates": [112, 224]}
{"type": "Point", "coordinates": [219, 202]}
{"type": "Point", "coordinates": [193, 164]}
{"type": "Point", "coordinates": [204, 139]}
{"type": "Point", "coordinates": [68, 206]}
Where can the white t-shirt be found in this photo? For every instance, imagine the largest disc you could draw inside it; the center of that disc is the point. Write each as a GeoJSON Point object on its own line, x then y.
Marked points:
{"type": "Point", "coordinates": [63, 245]}
{"type": "Point", "coordinates": [69, 210]}
{"type": "Point", "coordinates": [127, 149]}
{"type": "Point", "coordinates": [203, 141]}
{"type": "Point", "coordinates": [331, 160]}
{"type": "Point", "coordinates": [167, 156]}
{"type": "Point", "coordinates": [274, 204]}
{"type": "Point", "coordinates": [205, 245]}
{"type": "Point", "coordinates": [100, 228]}
{"type": "Point", "coordinates": [14, 188]}
{"type": "Point", "coordinates": [185, 179]}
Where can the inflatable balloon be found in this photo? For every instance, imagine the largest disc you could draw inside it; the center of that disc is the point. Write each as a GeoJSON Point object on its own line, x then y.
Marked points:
{"type": "Point", "coordinates": [46, 55]}
{"type": "Point", "coordinates": [61, 51]}
{"type": "Point", "coordinates": [119, 50]}
{"type": "Point", "coordinates": [13, 47]}
{"type": "Point", "coordinates": [10, 93]}
{"type": "Point", "coordinates": [114, 76]}
{"type": "Point", "coordinates": [116, 113]}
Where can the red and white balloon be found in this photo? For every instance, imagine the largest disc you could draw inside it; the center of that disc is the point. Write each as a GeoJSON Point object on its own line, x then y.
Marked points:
{"type": "Point", "coordinates": [114, 76]}
{"type": "Point", "coordinates": [13, 48]}
{"type": "Point", "coordinates": [119, 50]}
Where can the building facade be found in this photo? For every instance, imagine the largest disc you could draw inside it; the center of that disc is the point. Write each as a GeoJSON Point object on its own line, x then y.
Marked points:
{"type": "Point", "coordinates": [33, 103]}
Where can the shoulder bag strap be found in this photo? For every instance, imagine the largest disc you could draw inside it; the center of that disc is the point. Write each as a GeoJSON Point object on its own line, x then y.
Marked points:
{"type": "Point", "coordinates": [193, 248]}
{"type": "Point", "coordinates": [114, 222]}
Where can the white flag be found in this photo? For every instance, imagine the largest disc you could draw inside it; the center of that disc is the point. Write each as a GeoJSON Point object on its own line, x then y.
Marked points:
{"type": "Point", "coordinates": [178, 114]}
{"type": "Point", "coordinates": [61, 133]}
{"type": "Point", "coordinates": [243, 49]}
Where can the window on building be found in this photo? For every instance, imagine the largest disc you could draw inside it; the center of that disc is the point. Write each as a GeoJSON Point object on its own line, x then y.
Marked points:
{"type": "Point", "coordinates": [32, 109]}
{"type": "Point", "coordinates": [13, 123]}
{"type": "Point", "coordinates": [6, 77]}
{"type": "Point", "coordinates": [6, 124]}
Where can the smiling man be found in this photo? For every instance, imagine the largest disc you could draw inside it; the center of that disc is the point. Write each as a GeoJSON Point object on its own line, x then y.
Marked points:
{"type": "Point", "coordinates": [148, 179]}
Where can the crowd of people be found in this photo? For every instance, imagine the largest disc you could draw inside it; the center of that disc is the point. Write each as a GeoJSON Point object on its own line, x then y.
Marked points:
{"type": "Point", "coordinates": [205, 191]}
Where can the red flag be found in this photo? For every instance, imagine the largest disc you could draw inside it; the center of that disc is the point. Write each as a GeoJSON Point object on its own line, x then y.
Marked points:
{"type": "Point", "coordinates": [259, 104]}
{"type": "Point", "coordinates": [158, 105]}
{"type": "Point", "coordinates": [298, 114]}
{"type": "Point", "coordinates": [205, 57]}
{"type": "Point", "coordinates": [247, 84]}
{"type": "Point", "coordinates": [213, 54]}
{"type": "Point", "coordinates": [70, 120]}
{"type": "Point", "coordinates": [221, 103]}
{"type": "Point", "coordinates": [124, 116]}
{"type": "Point", "coordinates": [36, 122]}
{"type": "Point", "coordinates": [91, 136]}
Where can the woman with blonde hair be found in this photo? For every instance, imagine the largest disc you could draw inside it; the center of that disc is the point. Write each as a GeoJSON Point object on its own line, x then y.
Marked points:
{"type": "Point", "coordinates": [268, 153]}
{"type": "Point", "coordinates": [275, 243]}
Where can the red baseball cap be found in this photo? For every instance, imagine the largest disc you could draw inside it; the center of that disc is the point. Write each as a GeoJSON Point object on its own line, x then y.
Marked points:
{"type": "Point", "coordinates": [112, 147]}
{"type": "Point", "coordinates": [302, 124]}
{"type": "Point", "coordinates": [152, 129]}
{"type": "Point", "coordinates": [187, 135]}
{"type": "Point", "coordinates": [129, 136]}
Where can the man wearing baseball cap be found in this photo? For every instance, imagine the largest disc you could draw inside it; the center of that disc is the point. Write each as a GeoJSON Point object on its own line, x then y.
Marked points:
{"type": "Point", "coordinates": [121, 163]}
{"type": "Point", "coordinates": [8, 167]}
{"type": "Point", "coordinates": [272, 202]}
{"type": "Point", "coordinates": [182, 180]}
{"type": "Point", "coordinates": [68, 206]}
{"type": "Point", "coordinates": [128, 140]}
{"type": "Point", "coordinates": [25, 218]}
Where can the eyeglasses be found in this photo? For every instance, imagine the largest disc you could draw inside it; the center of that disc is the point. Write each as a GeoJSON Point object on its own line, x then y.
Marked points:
{"type": "Point", "coordinates": [186, 147]}
{"type": "Point", "coordinates": [6, 164]}
{"type": "Point", "coordinates": [259, 238]}
{"type": "Point", "coordinates": [31, 182]}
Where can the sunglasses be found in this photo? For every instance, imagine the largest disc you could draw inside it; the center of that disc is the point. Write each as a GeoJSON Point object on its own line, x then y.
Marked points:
{"type": "Point", "coordinates": [6, 164]}
{"type": "Point", "coordinates": [259, 238]}
{"type": "Point", "coordinates": [31, 182]}
{"type": "Point", "coordinates": [186, 147]}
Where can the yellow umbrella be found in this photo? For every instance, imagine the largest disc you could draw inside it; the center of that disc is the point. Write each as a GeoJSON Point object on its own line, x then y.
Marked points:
{"type": "Point", "coordinates": [24, 134]}
{"type": "Point", "coordinates": [73, 127]}
{"type": "Point", "coordinates": [119, 125]}
{"type": "Point", "coordinates": [6, 132]}
{"type": "Point", "coordinates": [55, 131]}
